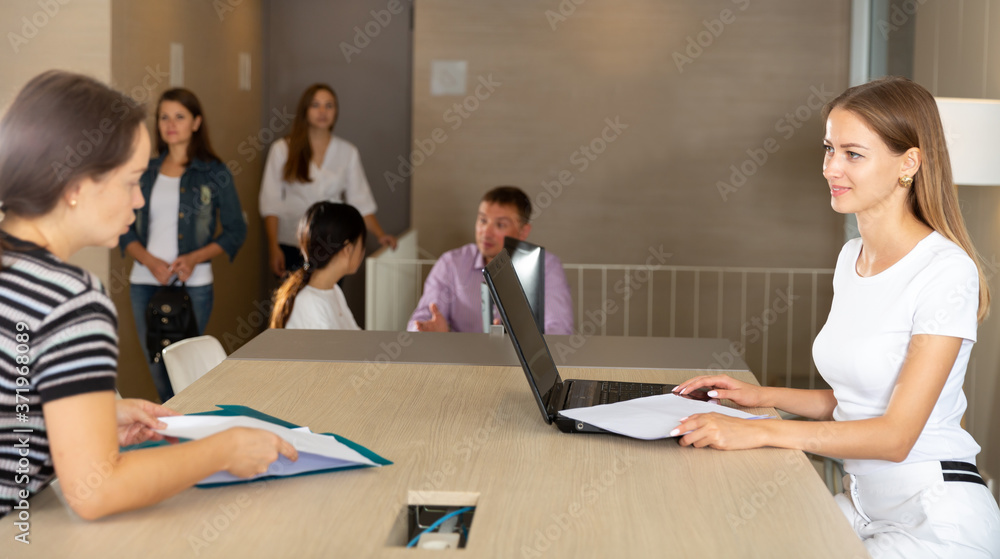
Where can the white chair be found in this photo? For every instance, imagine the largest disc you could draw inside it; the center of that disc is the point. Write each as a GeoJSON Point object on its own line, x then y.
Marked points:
{"type": "Point", "coordinates": [187, 360]}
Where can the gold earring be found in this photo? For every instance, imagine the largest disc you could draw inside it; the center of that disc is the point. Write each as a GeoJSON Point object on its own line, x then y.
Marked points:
{"type": "Point", "coordinates": [905, 181]}
{"type": "Point", "coordinates": [72, 203]}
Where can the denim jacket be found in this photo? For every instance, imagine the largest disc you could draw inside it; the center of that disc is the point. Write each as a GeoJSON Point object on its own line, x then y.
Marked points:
{"type": "Point", "coordinates": [206, 189]}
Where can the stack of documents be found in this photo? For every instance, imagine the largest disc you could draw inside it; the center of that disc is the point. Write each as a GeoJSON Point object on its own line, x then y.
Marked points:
{"type": "Point", "coordinates": [317, 453]}
{"type": "Point", "coordinates": [652, 417]}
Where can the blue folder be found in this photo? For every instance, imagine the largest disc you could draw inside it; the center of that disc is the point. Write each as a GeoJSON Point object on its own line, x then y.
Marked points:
{"type": "Point", "coordinates": [232, 411]}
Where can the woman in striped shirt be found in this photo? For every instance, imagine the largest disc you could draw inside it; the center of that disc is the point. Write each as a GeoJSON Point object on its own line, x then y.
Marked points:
{"type": "Point", "coordinates": [71, 153]}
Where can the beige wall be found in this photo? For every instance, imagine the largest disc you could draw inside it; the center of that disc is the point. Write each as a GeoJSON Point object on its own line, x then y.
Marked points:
{"type": "Point", "coordinates": [691, 113]}
{"type": "Point", "coordinates": [76, 37]}
{"type": "Point", "coordinates": [127, 43]}
{"type": "Point", "coordinates": [956, 54]}
{"type": "Point", "coordinates": [657, 183]}
{"type": "Point", "coordinates": [140, 63]}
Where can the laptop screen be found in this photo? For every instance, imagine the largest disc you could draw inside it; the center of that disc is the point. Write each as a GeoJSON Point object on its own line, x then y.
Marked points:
{"type": "Point", "coordinates": [529, 263]}
{"type": "Point", "coordinates": [529, 344]}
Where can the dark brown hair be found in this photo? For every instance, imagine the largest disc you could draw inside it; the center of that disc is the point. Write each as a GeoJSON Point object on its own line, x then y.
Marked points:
{"type": "Point", "coordinates": [511, 196]}
{"type": "Point", "coordinates": [62, 128]}
{"type": "Point", "coordinates": [299, 151]}
{"type": "Point", "coordinates": [199, 147]}
{"type": "Point", "coordinates": [325, 230]}
{"type": "Point", "coordinates": [904, 115]}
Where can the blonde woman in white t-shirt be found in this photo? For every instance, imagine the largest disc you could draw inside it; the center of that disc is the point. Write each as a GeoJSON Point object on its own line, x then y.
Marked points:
{"type": "Point", "coordinates": [908, 296]}
{"type": "Point", "coordinates": [308, 166]}
{"type": "Point", "coordinates": [332, 244]}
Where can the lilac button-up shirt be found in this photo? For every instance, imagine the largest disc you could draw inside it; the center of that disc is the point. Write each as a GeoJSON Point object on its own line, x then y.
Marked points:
{"type": "Point", "coordinates": [454, 284]}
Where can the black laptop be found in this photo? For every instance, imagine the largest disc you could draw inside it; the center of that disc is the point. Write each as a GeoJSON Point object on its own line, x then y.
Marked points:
{"type": "Point", "coordinates": [551, 392]}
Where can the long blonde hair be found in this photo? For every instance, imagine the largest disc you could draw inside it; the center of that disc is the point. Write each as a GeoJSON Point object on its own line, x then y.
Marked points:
{"type": "Point", "coordinates": [905, 115]}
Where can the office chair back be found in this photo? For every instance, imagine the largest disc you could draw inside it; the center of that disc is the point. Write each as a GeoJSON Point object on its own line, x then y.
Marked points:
{"type": "Point", "coordinates": [188, 360]}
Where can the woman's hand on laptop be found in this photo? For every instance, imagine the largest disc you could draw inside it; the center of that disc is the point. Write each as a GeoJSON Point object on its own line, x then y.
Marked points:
{"type": "Point", "coordinates": [723, 386]}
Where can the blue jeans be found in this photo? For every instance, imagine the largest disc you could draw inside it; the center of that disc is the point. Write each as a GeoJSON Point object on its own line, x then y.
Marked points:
{"type": "Point", "coordinates": [202, 299]}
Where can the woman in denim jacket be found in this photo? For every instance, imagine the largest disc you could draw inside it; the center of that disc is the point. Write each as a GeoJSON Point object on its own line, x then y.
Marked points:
{"type": "Point", "coordinates": [186, 187]}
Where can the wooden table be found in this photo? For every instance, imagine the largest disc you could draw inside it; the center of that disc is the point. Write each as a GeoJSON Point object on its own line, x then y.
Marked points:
{"type": "Point", "coordinates": [457, 434]}
{"type": "Point", "coordinates": [620, 352]}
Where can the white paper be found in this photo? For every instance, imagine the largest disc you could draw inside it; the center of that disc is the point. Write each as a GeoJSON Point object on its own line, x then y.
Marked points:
{"type": "Point", "coordinates": [316, 452]}
{"type": "Point", "coordinates": [652, 417]}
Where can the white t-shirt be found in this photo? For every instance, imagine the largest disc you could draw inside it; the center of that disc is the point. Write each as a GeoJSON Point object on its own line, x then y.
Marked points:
{"type": "Point", "coordinates": [340, 179]}
{"type": "Point", "coordinates": [934, 289]}
{"type": "Point", "coordinates": [321, 309]}
{"type": "Point", "coordinates": [164, 207]}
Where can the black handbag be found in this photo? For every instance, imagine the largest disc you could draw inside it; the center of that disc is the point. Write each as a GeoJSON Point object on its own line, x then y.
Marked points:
{"type": "Point", "coordinates": [169, 318]}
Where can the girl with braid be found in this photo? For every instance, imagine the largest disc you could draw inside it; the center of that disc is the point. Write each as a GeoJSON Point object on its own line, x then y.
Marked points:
{"type": "Point", "coordinates": [332, 242]}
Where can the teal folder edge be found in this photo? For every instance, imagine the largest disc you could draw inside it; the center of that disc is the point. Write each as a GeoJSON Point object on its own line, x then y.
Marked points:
{"type": "Point", "coordinates": [230, 411]}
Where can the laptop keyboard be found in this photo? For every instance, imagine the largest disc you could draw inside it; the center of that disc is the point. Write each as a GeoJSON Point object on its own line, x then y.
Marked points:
{"type": "Point", "coordinates": [612, 392]}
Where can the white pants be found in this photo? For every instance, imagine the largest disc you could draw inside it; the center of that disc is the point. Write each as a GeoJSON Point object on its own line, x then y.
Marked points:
{"type": "Point", "coordinates": [911, 511]}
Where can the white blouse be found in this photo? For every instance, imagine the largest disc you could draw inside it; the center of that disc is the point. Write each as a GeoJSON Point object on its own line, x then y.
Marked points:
{"type": "Point", "coordinates": [860, 351]}
{"type": "Point", "coordinates": [321, 309]}
{"type": "Point", "coordinates": [341, 178]}
{"type": "Point", "coordinates": [164, 205]}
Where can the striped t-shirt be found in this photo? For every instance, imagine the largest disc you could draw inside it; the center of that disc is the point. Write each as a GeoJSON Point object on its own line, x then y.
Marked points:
{"type": "Point", "coordinates": [58, 338]}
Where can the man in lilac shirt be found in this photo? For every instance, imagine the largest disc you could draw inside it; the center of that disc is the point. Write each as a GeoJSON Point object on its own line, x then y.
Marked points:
{"type": "Point", "coordinates": [451, 300]}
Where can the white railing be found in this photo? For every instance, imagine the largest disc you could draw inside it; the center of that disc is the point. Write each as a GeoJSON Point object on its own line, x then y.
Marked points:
{"type": "Point", "coordinates": [773, 314]}
{"type": "Point", "coordinates": [394, 280]}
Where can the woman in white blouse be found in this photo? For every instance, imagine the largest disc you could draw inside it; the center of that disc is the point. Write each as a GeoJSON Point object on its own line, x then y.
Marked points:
{"type": "Point", "coordinates": [308, 166]}
{"type": "Point", "coordinates": [908, 296]}
{"type": "Point", "coordinates": [332, 244]}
